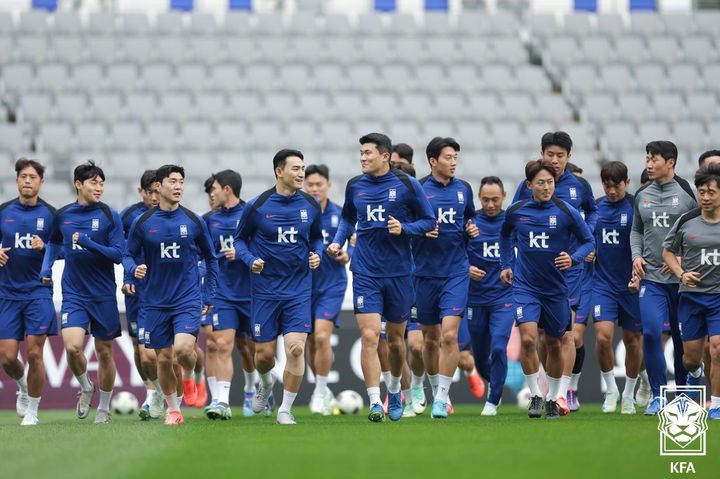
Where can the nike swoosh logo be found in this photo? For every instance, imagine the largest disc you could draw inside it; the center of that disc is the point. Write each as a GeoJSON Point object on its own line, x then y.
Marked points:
{"type": "Point", "coordinates": [269, 216]}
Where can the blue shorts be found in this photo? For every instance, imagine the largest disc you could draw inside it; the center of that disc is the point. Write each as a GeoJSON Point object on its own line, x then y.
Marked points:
{"type": "Point", "coordinates": [34, 317]}
{"type": "Point", "coordinates": [658, 306]}
{"type": "Point", "coordinates": [584, 309]}
{"type": "Point", "coordinates": [412, 325]}
{"type": "Point", "coordinates": [623, 308]}
{"type": "Point", "coordinates": [232, 315]}
{"type": "Point", "coordinates": [141, 326]}
{"type": "Point", "coordinates": [162, 325]}
{"type": "Point", "coordinates": [274, 317]}
{"type": "Point", "coordinates": [326, 305]}
{"type": "Point", "coordinates": [463, 335]}
{"type": "Point", "coordinates": [206, 320]}
{"type": "Point", "coordinates": [552, 315]}
{"type": "Point", "coordinates": [132, 309]}
{"type": "Point", "coordinates": [574, 280]}
{"type": "Point", "coordinates": [440, 297]}
{"type": "Point", "coordinates": [99, 318]}
{"type": "Point", "coordinates": [699, 315]}
{"type": "Point", "coordinates": [390, 297]}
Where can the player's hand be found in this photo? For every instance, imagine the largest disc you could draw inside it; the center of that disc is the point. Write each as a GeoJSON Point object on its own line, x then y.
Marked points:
{"type": "Point", "coordinates": [506, 276]}
{"type": "Point", "coordinates": [476, 274]}
{"type": "Point", "coordinates": [434, 233]}
{"type": "Point", "coordinates": [471, 229]}
{"type": "Point", "coordinates": [3, 256]}
{"type": "Point", "coordinates": [128, 289]}
{"type": "Point", "coordinates": [343, 257]}
{"type": "Point", "coordinates": [206, 310]}
{"type": "Point", "coordinates": [638, 268]}
{"type": "Point", "coordinates": [258, 266]}
{"type": "Point", "coordinates": [634, 284]}
{"type": "Point", "coordinates": [46, 281]}
{"type": "Point", "coordinates": [229, 253]}
{"type": "Point", "coordinates": [314, 260]}
{"type": "Point", "coordinates": [37, 243]}
{"type": "Point", "coordinates": [334, 250]}
{"type": "Point", "coordinates": [590, 258]}
{"type": "Point", "coordinates": [353, 240]}
{"type": "Point", "coordinates": [563, 261]}
{"type": "Point", "coordinates": [394, 226]}
{"type": "Point", "coordinates": [690, 278]}
{"type": "Point", "coordinates": [75, 237]}
{"type": "Point", "coordinates": [140, 271]}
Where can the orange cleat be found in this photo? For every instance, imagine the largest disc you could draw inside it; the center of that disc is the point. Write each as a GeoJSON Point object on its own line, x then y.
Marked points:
{"type": "Point", "coordinates": [562, 406]}
{"type": "Point", "coordinates": [202, 396]}
{"type": "Point", "coordinates": [190, 392]}
{"type": "Point", "coordinates": [174, 418]}
{"type": "Point", "coordinates": [449, 407]}
{"type": "Point", "coordinates": [477, 386]}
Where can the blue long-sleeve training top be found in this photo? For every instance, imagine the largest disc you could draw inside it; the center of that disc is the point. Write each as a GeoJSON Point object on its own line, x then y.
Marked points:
{"type": "Point", "coordinates": [613, 254]}
{"type": "Point", "coordinates": [128, 216]}
{"type": "Point", "coordinates": [233, 276]}
{"type": "Point", "coordinates": [484, 252]}
{"type": "Point", "coordinates": [330, 274]}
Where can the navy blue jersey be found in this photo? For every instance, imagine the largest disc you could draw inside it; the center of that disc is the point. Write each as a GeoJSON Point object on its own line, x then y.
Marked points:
{"type": "Point", "coordinates": [128, 216]}
{"type": "Point", "coordinates": [330, 274]}
{"type": "Point", "coordinates": [484, 252]}
{"type": "Point", "coordinates": [613, 261]}
{"type": "Point", "coordinates": [370, 201]}
{"type": "Point", "coordinates": [18, 224]}
{"type": "Point", "coordinates": [542, 231]}
{"type": "Point", "coordinates": [233, 276]}
{"type": "Point", "coordinates": [446, 255]}
{"type": "Point", "coordinates": [170, 244]}
{"type": "Point", "coordinates": [282, 231]}
{"type": "Point", "coordinates": [89, 271]}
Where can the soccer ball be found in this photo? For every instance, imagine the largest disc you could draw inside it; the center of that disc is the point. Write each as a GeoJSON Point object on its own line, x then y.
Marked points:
{"type": "Point", "coordinates": [523, 398]}
{"type": "Point", "coordinates": [124, 403]}
{"type": "Point", "coordinates": [349, 402]}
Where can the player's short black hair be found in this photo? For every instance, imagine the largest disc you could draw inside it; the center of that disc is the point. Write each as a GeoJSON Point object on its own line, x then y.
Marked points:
{"type": "Point", "coordinates": [147, 179]}
{"type": "Point", "coordinates": [666, 149]}
{"type": "Point", "coordinates": [208, 183]}
{"type": "Point", "coordinates": [381, 142]}
{"type": "Point", "coordinates": [707, 155]}
{"type": "Point", "coordinates": [23, 163]}
{"type": "Point", "coordinates": [87, 171]}
{"type": "Point", "coordinates": [573, 168]}
{"type": "Point", "coordinates": [229, 178]}
{"type": "Point", "coordinates": [284, 154]}
{"type": "Point", "coordinates": [614, 172]}
{"type": "Point", "coordinates": [556, 138]}
{"type": "Point", "coordinates": [536, 166]}
{"type": "Point", "coordinates": [492, 180]}
{"type": "Point", "coordinates": [644, 177]}
{"type": "Point", "coordinates": [403, 150]}
{"type": "Point", "coordinates": [707, 174]}
{"type": "Point", "coordinates": [166, 170]}
{"type": "Point", "coordinates": [437, 144]}
{"type": "Point", "coordinates": [321, 170]}
{"type": "Point", "coordinates": [407, 169]}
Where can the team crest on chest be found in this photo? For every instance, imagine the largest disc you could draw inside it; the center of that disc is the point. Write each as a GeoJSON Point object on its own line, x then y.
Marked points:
{"type": "Point", "coordinates": [334, 220]}
{"type": "Point", "coordinates": [183, 231]}
{"type": "Point", "coordinates": [675, 201]}
{"type": "Point", "coordinates": [95, 224]}
{"type": "Point", "coordinates": [553, 221]}
{"type": "Point", "coordinates": [461, 197]}
{"type": "Point", "coordinates": [647, 203]}
{"type": "Point", "coordinates": [623, 219]}
{"type": "Point", "coordinates": [303, 215]}
{"type": "Point", "coordinates": [392, 196]}
{"type": "Point", "coordinates": [40, 225]}
{"type": "Point", "coordinates": [573, 193]}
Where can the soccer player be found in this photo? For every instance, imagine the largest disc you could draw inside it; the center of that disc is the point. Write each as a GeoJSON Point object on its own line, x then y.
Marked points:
{"type": "Point", "coordinates": [441, 268]}
{"type": "Point", "coordinates": [708, 158]}
{"type": "Point", "coordinates": [329, 285]}
{"type": "Point", "coordinates": [611, 299]}
{"type": "Point", "coordinates": [657, 206]}
{"type": "Point", "coordinates": [545, 229]}
{"type": "Point", "coordinates": [389, 207]}
{"type": "Point", "coordinates": [89, 235]}
{"type": "Point", "coordinates": [163, 247]}
{"type": "Point", "coordinates": [26, 307]}
{"type": "Point", "coordinates": [280, 238]}
{"type": "Point", "coordinates": [490, 302]}
{"type": "Point", "coordinates": [402, 154]}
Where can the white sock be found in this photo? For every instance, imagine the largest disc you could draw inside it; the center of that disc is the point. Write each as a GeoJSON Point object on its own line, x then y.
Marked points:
{"type": "Point", "coordinates": [443, 390]}
{"type": "Point", "coordinates": [553, 388]}
{"type": "Point", "coordinates": [386, 377]}
{"type": "Point", "coordinates": [158, 388]}
{"type": "Point", "coordinates": [697, 373]}
{"type": "Point", "coordinates": [468, 372]}
{"type": "Point", "coordinates": [644, 377]}
{"type": "Point", "coordinates": [85, 384]}
{"type": "Point", "coordinates": [22, 384]}
{"type": "Point", "coordinates": [267, 379]}
{"type": "Point", "coordinates": [199, 377]}
{"type": "Point", "coordinates": [574, 380]}
{"type": "Point", "coordinates": [564, 385]}
{"type": "Point", "coordinates": [212, 386]}
{"type": "Point", "coordinates": [256, 377]}
{"type": "Point", "coordinates": [416, 381]}
{"type": "Point", "coordinates": [408, 395]}
{"type": "Point", "coordinates": [105, 400]}
{"type": "Point", "coordinates": [33, 404]}
{"type": "Point", "coordinates": [173, 402]}
{"type": "Point", "coordinates": [714, 402]}
{"type": "Point", "coordinates": [320, 385]}
{"type": "Point", "coordinates": [223, 389]}
{"type": "Point", "coordinates": [150, 396]}
{"type": "Point", "coordinates": [250, 381]}
{"type": "Point", "coordinates": [394, 385]}
{"type": "Point", "coordinates": [287, 402]}
{"type": "Point", "coordinates": [629, 390]}
{"type": "Point", "coordinates": [374, 395]}
{"type": "Point", "coordinates": [433, 379]}
{"type": "Point", "coordinates": [533, 384]}
{"type": "Point", "coordinates": [609, 378]}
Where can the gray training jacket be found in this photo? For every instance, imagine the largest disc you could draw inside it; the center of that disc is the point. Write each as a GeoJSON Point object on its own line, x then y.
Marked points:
{"type": "Point", "coordinates": [657, 208]}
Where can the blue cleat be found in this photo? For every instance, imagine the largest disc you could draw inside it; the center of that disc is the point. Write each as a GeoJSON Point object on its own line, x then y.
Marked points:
{"type": "Point", "coordinates": [439, 410]}
{"type": "Point", "coordinates": [395, 406]}
{"type": "Point", "coordinates": [247, 404]}
{"type": "Point", "coordinates": [654, 407]}
{"type": "Point", "coordinates": [714, 413]}
{"type": "Point", "coordinates": [144, 412]}
{"type": "Point", "coordinates": [377, 413]}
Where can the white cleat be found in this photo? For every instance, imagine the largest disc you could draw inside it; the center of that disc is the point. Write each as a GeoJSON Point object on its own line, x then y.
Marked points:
{"type": "Point", "coordinates": [84, 402]}
{"type": "Point", "coordinates": [29, 419]}
{"type": "Point", "coordinates": [102, 417]}
{"type": "Point", "coordinates": [644, 393]}
{"type": "Point", "coordinates": [419, 403]}
{"type": "Point", "coordinates": [610, 403]}
{"type": "Point", "coordinates": [285, 418]}
{"type": "Point", "coordinates": [489, 409]}
{"type": "Point", "coordinates": [21, 403]}
{"type": "Point", "coordinates": [627, 406]}
{"type": "Point", "coordinates": [329, 401]}
{"type": "Point", "coordinates": [157, 406]}
{"type": "Point", "coordinates": [261, 397]}
{"type": "Point", "coordinates": [317, 404]}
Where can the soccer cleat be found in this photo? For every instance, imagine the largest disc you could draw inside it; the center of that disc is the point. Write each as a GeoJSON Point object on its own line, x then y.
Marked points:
{"type": "Point", "coordinates": [419, 403]}
{"type": "Point", "coordinates": [477, 386]}
{"type": "Point", "coordinates": [610, 404]}
{"type": "Point", "coordinates": [644, 393]}
{"type": "Point", "coordinates": [385, 403]}
{"type": "Point", "coordinates": [202, 395]}
{"type": "Point", "coordinates": [247, 404]}
{"type": "Point", "coordinates": [654, 407]}
{"type": "Point", "coordinates": [395, 406]}
{"type": "Point", "coordinates": [317, 404]}
{"type": "Point", "coordinates": [535, 408]}
{"type": "Point", "coordinates": [285, 418]}
{"type": "Point", "coordinates": [220, 411]}
{"type": "Point", "coordinates": [261, 397]}
{"type": "Point", "coordinates": [84, 403]}
{"type": "Point", "coordinates": [449, 407]}
{"type": "Point", "coordinates": [408, 411]}
{"type": "Point", "coordinates": [329, 399]}
{"type": "Point", "coordinates": [439, 410]}
{"type": "Point", "coordinates": [552, 410]}
{"type": "Point", "coordinates": [21, 403]}
{"type": "Point", "coordinates": [627, 406]}
{"type": "Point", "coordinates": [270, 407]}
{"type": "Point", "coordinates": [489, 409]}
{"type": "Point", "coordinates": [691, 381]}
{"type": "Point", "coordinates": [29, 419]}
{"type": "Point", "coordinates": [144, 412]}
{"type": "Point", "coordinates": [714, 413]}
{"type": "Point", "coordinates": [189, 391]}
{"type": "Point", "coordinates": [157, 405]}
{"type": "Point", "coordinates": [103, 417]}
{"type": "Point", "coordinates": [377, 413]}
{"type": "Point", "coordinates": [207, 408]}
{"type": "Point", "coordinates": [572, 400]}
{"type": "Point", "coordinates": [562, 406]}
{"type": "Point", "coordinates": [174, 418]}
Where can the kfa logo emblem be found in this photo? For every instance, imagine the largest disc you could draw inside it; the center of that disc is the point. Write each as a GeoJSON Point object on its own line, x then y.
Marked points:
{"type": "Point", "coordinates": [573, 193]}
{"type": "Point", "coordinates": [413, 313]}
{"type": "Point", "coordinates": [519, 312]}
{"type": "Point", "coordinates": [334, 221]}
{"type": "Point", "coordinates": [95, 224]}
{"type": "Point", "coordinates": [392, 195]}
{"type": "Point", "coordinates": [375, 214]}
{"type": "Point", "coordinates": [647, 203]}
{"type": "Point", "coordinates": [469, 314]}
{"type": "Point", "coordinates": [623, 219]}
{"type": "Point", "coordinates": [675, 201]}
{"type": "Point", "coordinates": [360, 302]}
{"type": "Point", "coordinates": [683, 422]}
{"type": "Point", "coordinates": [183, 231]}
{"type": "Point", "coordinates": [303, 215]}
{"type": "Point", "coordinates": [40, 224]}
{"type": "Point", "coordinates": [446, 216]}
{"type": "Point", "coordinates": [287, 236]}
{"type": "Point", "coordinates": [257, 329]}
{"type": "Point", "coordinates": [461, 197]}
{"type": "Point", "coordinates": [553, 221]}
{"type": "Point", "coordinates": [597, 311]}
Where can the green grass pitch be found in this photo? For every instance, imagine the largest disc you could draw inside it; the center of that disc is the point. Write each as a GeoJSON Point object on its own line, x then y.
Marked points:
{"type": "Point", "coordinates": [587, 444]}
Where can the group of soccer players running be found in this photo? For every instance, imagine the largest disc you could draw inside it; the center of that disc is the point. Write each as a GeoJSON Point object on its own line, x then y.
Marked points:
{"type": "Point", "coordinates": [430, 273]}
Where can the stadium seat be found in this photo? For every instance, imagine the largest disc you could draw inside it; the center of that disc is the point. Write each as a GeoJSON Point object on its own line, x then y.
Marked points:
{"type": "Point", "coordinates": [134, 24]}
{"type": "Point", "coordinates": [127, 136]}
{"type": "Point", "coordinates": [36, 107]}
{"type": "Point", "coordinates": [105, 106]}
{"type": "Point", "coordinates": [68, 23]}
{"type": "Point", "coordinates": [91, 136]}
{"type": "Point", "coordinates": [169, 23]}
{"type": "Point", "coordinates": [101, 23]}
{"type": "Point", "coordinates": [161, 135]}
{"type": "Point", "coordinates": [140, 106]}
{"type": "Point", "coordinates": [68, 50]}
{"type": "Point", "coordinates": [33, 22]}
{"type": "Point", "coordinates": [12, 138]}
{"type": "Point", "coordinates": [88, 77]}
{"type": "Point", "coordinates": [71, 106]}
{"type": "Point", "coordinates": [174, 106]}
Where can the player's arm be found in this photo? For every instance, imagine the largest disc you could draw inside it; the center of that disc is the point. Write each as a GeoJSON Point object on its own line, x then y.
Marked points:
{"type": "Point", "coordinates": [205, 244]}
{"type": "Point", "coordinates": [114, 250]}
{"type": "Point", "coordinates": [425, 220]}
{"type": "Point", "coordinates": [590, 207]}
{"type": "Point", "coordinates": [131, 254]}
{"type": "Point", "coordinates": [53, 251]}
{"type": "Point", "coordinates": [637, 241]}
{"type": "Point", "coordinates": [245, 231]}
{"type": "Point", "coordinates": [316, 242]}
{"type": "Point", "coordinates": [348, 218]}
{"type": "Point", "coordinates": [471, 228]}
{"type": "Point", "coordinates": [507, 250]}
{"type": "Point", "coordinates": [585, 238]}
{"type": "Point", "coordinates": [672, 249]}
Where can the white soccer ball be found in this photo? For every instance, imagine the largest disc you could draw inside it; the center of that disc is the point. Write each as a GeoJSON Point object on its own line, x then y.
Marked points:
{"type": "Point", "coordinates": [124, 403]}
{"type": "Point", "coordinates": [523, 398]}
{"type": "Point", "coordinates": [349, 402]}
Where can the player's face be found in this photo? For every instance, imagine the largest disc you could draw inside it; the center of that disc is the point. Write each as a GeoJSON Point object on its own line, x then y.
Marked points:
{"type": "Point", "coordinates": [709, 196]}
{"type": "Point", "coordinates": [444, 166]}
{"type": "Point", "coordinates": [558, 156]}
{"type": "Point", "coordinates": [491, 199]}
{"type": "Point", "coordinates": [615, 191]}
{"type": "Point", "coordinates": [217, 196]}
{"type": "Point", "coordinates": [292, 175]}
{"type": "Point", "coordinates": [371, 160]}
{"type": "Point", "coordinates": [28, 182]}
{"type": "Point", "coordinates": [711, 160]}
{"type": "Point", "coordinates": [542, 186]}
{"type": "Point", "coordinates": [172, 188]}
{"type": "Point", "coordinates": [90, 191]}
{"type": "Point", "coordinates": [150, 195]}
{"type": "Point", "coordinates": [318, 186]}
{"type": "Point", "coordinates": [396, 159]}
{"type": "Point", "coordinates": [657, 166]}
